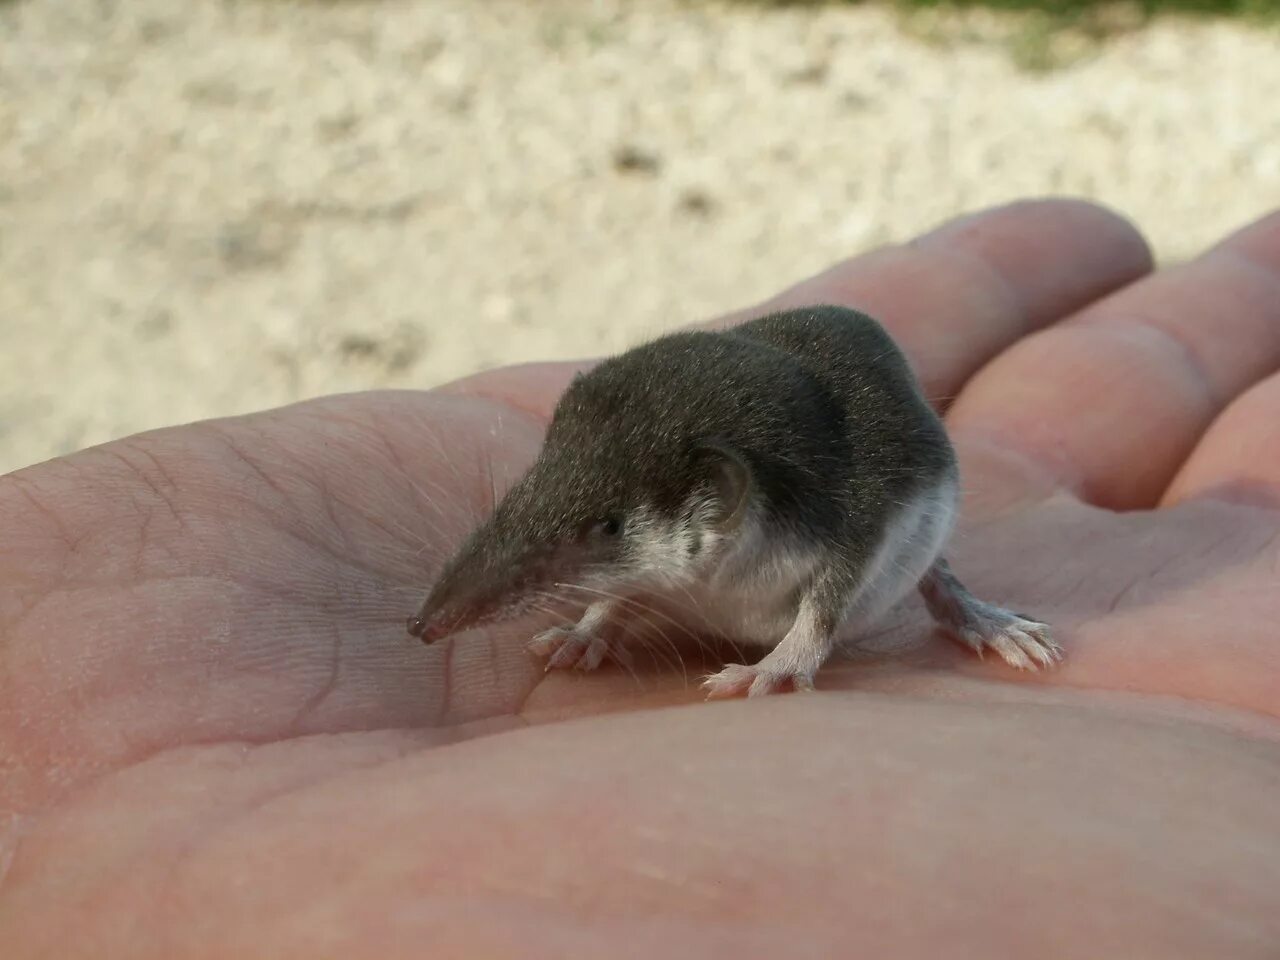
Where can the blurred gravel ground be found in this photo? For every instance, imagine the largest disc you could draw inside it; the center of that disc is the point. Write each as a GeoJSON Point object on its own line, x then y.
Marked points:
{"type": "Point", "coordinates": [213, 207]}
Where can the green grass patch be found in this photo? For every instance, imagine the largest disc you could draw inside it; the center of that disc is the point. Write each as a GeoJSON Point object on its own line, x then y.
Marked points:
{"type": "Point", "coordinates": [1045, 35]}
{"type": "Point", "coordinates": [1070, 8]}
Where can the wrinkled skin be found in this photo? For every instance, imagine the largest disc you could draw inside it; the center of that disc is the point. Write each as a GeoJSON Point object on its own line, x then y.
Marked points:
{"type": "Point", "coordinates": [216, 739]}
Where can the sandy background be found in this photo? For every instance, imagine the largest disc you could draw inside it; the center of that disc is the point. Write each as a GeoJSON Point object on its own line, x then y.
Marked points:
{"type": "Point", "coordinates": [211, 207]}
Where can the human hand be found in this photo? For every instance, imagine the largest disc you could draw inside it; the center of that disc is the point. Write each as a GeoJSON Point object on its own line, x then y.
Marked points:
{"type": "Point", "coordinates": [216, 739]}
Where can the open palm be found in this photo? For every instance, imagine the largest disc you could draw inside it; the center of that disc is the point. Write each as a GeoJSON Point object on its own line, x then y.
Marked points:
{"type": "Point", "coordinates": [216, 738]}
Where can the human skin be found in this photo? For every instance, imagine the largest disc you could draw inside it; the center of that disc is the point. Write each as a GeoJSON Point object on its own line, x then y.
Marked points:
{"type": "Point", "coordinates": [216, 739]}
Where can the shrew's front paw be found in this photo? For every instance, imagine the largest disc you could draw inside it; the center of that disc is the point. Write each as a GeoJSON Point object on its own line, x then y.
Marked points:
{"type": "Point", "coordinates": [569, 647]}
{"type": "Point", "coordinates": [755, 681]}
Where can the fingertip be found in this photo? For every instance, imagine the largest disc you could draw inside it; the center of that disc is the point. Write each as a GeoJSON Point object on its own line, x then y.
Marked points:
{"type": "Point", "coordinates": [1057, 212]}
{"type": "Point", "coordinates": [1258, 240]}
{"type": "Point", "coordinates": [1032, 243]}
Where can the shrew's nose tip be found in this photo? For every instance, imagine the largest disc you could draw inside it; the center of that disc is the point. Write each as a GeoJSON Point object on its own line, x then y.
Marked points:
{"type": "Point", "coordinates": [427, 629]}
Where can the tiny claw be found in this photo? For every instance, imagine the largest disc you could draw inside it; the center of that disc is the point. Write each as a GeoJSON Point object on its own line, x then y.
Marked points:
{"type": "Point", "coordinates": [417, 626]}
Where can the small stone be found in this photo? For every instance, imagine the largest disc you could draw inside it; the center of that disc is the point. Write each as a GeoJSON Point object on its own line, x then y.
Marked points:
{"type": "Point", "coordinates": [696, 202]}
{"type": "Point", "coordinates": [634, 160]}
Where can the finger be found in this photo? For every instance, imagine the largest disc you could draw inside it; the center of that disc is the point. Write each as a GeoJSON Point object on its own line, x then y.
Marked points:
{"type": "Point", "coordinates": [952, 298]}
{"type": "Point", "coordinates": [1112, 402]}
{"type": "Point", "coordinates": [530, 388]}
{"type": "Point", "coordinates": [1239, 457]}
{"type": "Point", "coordinates": [960, 295]}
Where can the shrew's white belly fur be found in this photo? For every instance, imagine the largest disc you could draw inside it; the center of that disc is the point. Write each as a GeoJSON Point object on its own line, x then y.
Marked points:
{"type": "Point", "coordinates": [753, 595]}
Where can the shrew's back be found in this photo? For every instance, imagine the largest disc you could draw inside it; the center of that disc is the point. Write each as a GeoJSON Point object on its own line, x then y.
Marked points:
{"type": "Point", "coordinates": [896, 437]}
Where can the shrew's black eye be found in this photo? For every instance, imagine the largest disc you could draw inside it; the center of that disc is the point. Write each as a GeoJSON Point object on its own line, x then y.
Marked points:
{"type": "Point", "coordinates": [609, 526]}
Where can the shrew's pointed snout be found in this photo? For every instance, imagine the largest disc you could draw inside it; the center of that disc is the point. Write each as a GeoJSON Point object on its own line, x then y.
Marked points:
{"type": "Point", "coordinates": [485, 582]}
{"type": "Point", "coordinates": [458, 601]}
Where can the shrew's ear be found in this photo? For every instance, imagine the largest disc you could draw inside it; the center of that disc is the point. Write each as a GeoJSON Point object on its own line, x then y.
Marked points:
{"type": "Point", "coordinates": [732, 477]}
